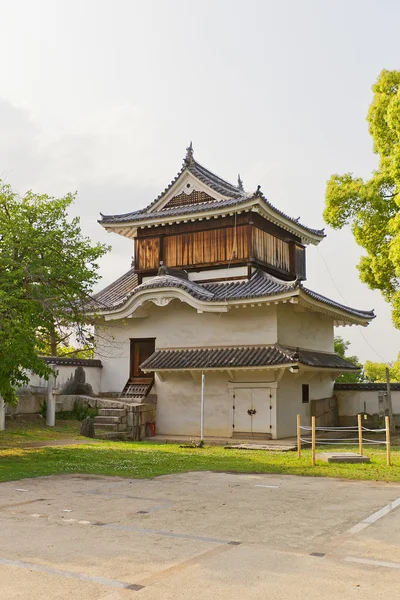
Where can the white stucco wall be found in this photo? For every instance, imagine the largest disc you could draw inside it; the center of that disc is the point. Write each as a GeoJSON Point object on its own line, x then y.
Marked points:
{"type": "Point", "coordinates": [289, 399]}
{"type": "Point", "coordinates": [178, 325]}
{"type": "Point", "coordinates": [179, 396]}
{"type": "Point", "coordinates": [300, 327]}
{"type": "Point", "coordinates": [353, 402]}
{"type": "Point", "coordinates": [92, 375]}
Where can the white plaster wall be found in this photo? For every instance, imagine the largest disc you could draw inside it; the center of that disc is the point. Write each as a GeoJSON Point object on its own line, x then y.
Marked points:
{"type": "Point", "coordinates": [93, 377]}
{"type": "Point", "coordinates": [300, 327]}
{"type": "Point", "coordinates": [178, 407]}
{"type": "Point", "coordinates": [178, 325]}
{"type": "Point", "coordinates": [179, 396]}
{"type": "Point", "coordinates": [289, 399]}
{"type": "Point", "coordinates": [353, 402]}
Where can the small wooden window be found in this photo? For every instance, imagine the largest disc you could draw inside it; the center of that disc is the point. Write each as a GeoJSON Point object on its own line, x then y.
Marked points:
{"type": "Point", "coordinates": [305, 393]}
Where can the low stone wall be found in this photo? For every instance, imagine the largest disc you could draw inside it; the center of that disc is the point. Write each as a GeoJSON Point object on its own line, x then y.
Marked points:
{"type": "Point", "coordinates": [138, 415]}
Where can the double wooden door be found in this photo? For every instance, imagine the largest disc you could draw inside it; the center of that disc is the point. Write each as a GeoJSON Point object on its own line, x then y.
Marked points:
{"type": "Point", "coordinates": [140, 350]}
{"type": "Point", "coordinates": [252, 411]}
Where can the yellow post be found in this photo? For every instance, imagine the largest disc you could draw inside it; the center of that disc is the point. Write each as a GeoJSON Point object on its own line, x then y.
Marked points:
{"type": "Point", "coordinates": [387, 425]}
{"type": "Point", "coordinates": [313, 441]}
{"type": "Point", "coordinates": [298, 437]}
{"type": "Point", "coordinates": [360, 440]}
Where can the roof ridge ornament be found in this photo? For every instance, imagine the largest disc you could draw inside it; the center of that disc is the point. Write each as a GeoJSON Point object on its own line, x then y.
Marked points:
{"type": "Point", "coordinates": [240, 183]}
{"type": "Point", "coordinates": [189, 160]}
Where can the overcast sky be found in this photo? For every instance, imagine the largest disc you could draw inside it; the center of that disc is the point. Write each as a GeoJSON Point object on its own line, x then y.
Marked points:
{"type": "Point", "coordinates": [103, 96]}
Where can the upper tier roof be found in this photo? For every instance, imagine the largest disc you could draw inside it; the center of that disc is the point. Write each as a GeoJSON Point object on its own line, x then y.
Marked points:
{"type": "Point", "coordinates": [196, 193]}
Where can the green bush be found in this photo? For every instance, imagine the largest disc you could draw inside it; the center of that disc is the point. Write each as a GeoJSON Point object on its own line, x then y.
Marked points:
{"type": "Point", "coordinates": [81, 412]}
{"type": "Point", "coordinates": [78, 413]}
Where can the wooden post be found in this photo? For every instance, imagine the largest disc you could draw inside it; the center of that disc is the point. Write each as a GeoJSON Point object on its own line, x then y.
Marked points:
{"type": "Point", "coordinates": [298, 437]}
{"type": "Point", "coordinates": [389, 401]}
{"type": "Point", "coordinates": [313, 441]}
{"type": "Point", "coordinates": [387, 425]}
{"type": "Point", "coordinates": [360, 440]}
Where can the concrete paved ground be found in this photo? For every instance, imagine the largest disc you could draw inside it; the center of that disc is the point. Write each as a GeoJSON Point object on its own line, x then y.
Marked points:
{"type": "Point", "coordinates": [199, 535]}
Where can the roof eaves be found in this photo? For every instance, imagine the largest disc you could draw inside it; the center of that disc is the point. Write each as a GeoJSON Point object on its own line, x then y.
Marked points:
{"type": "Point", "coordinates": [357, 313]}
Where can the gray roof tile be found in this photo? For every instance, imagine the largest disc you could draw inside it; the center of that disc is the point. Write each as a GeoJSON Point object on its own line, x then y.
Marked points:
{"type": "Point", "coordinates": [260, 285]}
{"type": "Point", "coordinates": [236, 197]}
{"type": "Point", "coordinates": [240, 356]}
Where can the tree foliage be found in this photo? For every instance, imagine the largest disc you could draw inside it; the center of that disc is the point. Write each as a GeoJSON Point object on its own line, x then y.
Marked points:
{"type": "Point", "coordinates": [376, 372]}
{"type": "Point", "coordinates": [372, 207]}
{"type": "Point", "coordinates": [341, 347]}
{"type": "Point", "coordinates": [47, 273]}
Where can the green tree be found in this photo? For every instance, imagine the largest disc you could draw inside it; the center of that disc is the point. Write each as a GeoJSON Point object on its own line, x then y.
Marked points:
{"type": "Point", "coordinates": [47, 273]}
{"type": "Point", "coordinates": [371, 207]}
{"type": "Point", "coordinates": [341, 347]}
{"type": "Point", "coordinates": [376, 372]}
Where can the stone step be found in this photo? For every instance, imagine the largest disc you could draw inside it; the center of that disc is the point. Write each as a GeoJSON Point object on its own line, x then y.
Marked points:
{"type": "Point", "coordinates": [110, 426]}
{"type": "Point", "coordinates": [108, 419]}
{"type": "Point", "coordinates": [112, 435]}
{"type": "Point", "coordinates": [112, 412]}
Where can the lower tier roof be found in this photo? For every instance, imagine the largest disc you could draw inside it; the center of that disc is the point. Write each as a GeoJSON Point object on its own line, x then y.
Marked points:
{"type": "Point", "coordinates": [260, 286]}
{"type": "Point", "coordinates": [232, 357]}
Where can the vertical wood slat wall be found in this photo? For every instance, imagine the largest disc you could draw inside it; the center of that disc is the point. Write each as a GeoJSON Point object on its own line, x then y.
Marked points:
{"type": "Point", "coordinates": [206, 247]}
{"type": "Point", "coordinates": [270, 249]}
{"type": "Point", "coordinates": [300, 261]}
{"type": "Point", "coordinates": [220, 245]}
{"type": "Point", "coordinates": [147, 253]}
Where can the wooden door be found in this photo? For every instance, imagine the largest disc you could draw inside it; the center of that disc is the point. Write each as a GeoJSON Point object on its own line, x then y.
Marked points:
{"type": "Point", "coordinates": [251, 411]}
{"type": "Point", "coordinates": [140, 350]}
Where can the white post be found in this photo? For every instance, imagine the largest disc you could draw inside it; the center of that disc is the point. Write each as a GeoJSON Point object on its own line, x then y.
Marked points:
{"type": "Point", "coordinates": [51, 401]}
{"type": "Point", "coordinates": [2, 414]}
{"type": "Point", "coordinates": [202, 406]}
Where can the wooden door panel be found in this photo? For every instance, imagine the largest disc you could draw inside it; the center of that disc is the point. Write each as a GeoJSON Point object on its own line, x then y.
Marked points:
{"type": "Point", "coordinates": [140, 350]}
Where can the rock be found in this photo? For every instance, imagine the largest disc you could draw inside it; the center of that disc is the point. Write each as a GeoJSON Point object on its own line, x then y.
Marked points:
{"type": "Point", "coordinates": [76, 384]}
{"type": "Point", "coordinates": [87, 427]}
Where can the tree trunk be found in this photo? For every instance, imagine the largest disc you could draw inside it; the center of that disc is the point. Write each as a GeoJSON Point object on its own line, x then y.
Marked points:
{"type": "Point", "coordinates": [53, 343]}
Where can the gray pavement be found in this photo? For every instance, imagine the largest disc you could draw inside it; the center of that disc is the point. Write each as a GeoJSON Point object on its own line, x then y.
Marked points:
{"type": "Point", "coordinates": [198, 535]}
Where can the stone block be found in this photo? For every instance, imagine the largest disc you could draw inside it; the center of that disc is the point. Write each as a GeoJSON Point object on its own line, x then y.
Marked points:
{"type": "Point", "coordinates": [342, 457]}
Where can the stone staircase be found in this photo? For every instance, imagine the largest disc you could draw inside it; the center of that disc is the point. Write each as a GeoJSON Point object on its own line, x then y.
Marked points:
{"type": "Point", "coordinates": [125, 418]}
{"type": "Point", "coordinates": [111, 423]}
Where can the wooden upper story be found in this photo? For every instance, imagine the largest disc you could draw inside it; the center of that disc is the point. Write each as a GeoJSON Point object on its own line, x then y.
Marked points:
{"type": "Point", "coordinates": [202, 222]}
{"type": "Point", "coordinates": [240, 240]}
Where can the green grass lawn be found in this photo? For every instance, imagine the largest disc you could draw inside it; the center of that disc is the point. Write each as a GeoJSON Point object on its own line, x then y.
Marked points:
{"type": "Point", "coordinates": [32, 428]}
{"type": "Point", "coordinates": [145, 460]}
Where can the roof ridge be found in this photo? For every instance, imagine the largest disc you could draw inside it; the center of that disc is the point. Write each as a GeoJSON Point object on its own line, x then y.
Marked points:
{"type": "Point", "coordinates": [196, 166]}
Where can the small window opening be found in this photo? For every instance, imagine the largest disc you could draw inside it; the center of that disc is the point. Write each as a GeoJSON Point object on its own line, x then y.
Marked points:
{"type": "Point", "coordinates": [305, 393]}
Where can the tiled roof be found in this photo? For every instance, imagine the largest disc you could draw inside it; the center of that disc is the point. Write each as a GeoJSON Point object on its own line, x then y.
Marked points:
{"type": "Point", "coordinates": [240, 356]}
{"type": "Point", "coordinates": [65, 360]}
{"type": "Point", "coordinates": [140, 215]}
{"type": "Point", "coordinates": [368, 387]}
{"type": "Point", "coordinates": [117, 292]}
{"type": "Point", "coordinates": [234, 196]}
{"type": "Point", "coordinates": [260, 285]}
{"type": "Point", "coordinates": [364, 314]}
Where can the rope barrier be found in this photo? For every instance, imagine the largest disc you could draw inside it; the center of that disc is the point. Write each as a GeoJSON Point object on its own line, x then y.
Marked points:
{"type": "Point", "coordinates": [338, 441]}
{"type": "Point", "coordinates": [306, 428]}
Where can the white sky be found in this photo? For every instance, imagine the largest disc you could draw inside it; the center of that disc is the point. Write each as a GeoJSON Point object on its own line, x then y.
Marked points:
{"type": "Point", "coordinates": [103, 96]}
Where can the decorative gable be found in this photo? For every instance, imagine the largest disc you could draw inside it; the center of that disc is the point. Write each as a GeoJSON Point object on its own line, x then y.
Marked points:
{"type": "Point", "coordinates": [185, 199]}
